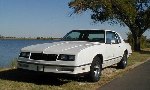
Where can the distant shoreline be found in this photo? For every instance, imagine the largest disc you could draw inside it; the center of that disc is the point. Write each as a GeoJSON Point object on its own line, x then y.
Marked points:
{"type": "Point", "coordinates": [30, 38]}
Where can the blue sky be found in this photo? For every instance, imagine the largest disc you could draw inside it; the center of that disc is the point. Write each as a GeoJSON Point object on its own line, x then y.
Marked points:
{"type": "Point", "coordinates": [45, 18]}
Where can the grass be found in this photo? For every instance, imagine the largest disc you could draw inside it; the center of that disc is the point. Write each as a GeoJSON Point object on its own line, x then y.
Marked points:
{"type": "Point", "coordinates": [12, 79]}
{"type": "Point", "coordinates": [13, 63]}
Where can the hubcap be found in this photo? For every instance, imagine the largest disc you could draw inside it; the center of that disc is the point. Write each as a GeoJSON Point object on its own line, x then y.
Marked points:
{"type": "Point", "coordinates": [125, 60]}
{"type": "Point", "coordinates": [96, 70]}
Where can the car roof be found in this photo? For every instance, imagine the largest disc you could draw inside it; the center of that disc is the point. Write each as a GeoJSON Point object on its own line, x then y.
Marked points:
{"type": "Point", "coordinates": [92, 30]}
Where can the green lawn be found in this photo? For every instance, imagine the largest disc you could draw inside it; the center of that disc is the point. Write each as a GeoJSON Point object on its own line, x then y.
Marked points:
{"type": "Point", "coordinates": [11, 79]}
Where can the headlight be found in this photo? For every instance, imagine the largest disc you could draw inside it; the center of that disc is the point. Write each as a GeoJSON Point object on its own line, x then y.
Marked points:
{"type": "Point", "coordinates": [66, 57]}
{"type": "Point", "coordinates": [24, 54]}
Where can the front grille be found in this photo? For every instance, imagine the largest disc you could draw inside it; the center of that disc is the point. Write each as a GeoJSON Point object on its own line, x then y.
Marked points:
{"type": "Point", "coordinates": [41, 56]}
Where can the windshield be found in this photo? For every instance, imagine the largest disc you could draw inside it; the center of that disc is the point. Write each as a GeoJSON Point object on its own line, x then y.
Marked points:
{"type": "Point", "coordinates": [86, 35]}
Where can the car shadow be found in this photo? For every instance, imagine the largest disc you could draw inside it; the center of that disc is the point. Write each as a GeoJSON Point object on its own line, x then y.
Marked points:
{"type": "Point", "coordinates": [38, 78]}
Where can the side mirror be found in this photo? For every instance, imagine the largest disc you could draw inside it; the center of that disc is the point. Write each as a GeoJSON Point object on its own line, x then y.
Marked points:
{"type": "Point", "coordinates": [113, 41]}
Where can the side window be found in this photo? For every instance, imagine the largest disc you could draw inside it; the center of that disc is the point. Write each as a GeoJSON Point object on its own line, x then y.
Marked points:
{"type": "Point", "coordinates": [112, 36]}
{"type": "Point", "coordinates": [109, 36]}
{"type": "Point", "coordinates": [97, 37]}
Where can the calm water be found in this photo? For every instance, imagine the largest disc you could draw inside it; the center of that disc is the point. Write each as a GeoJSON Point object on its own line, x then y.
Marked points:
{"type": "Point", "coordinates": [10, 49]}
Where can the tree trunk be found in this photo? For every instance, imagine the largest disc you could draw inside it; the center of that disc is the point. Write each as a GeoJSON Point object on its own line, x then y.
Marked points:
{"type": "Point", "coordinates": [137, 43]}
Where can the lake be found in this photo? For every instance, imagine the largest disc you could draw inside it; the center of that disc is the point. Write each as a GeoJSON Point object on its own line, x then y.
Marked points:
{"type": "Point", "coordinates": [10, 49]}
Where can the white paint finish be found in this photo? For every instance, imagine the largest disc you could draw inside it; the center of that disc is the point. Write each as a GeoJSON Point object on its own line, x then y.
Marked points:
{"type": "Point", "coordinates": [62, 47]}
{"type": "Point", "coordinates": [84, 52]}
{"type": "Point", "coordinates": [55, 68]}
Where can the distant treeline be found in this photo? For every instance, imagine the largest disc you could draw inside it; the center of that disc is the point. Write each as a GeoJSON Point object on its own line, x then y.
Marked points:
{"type": "Point", "coordinates": [1, 36]}
{"type": "Point", "coordinates": [48, 38]}
{"type": "Point", "coordinates": [30, 38]}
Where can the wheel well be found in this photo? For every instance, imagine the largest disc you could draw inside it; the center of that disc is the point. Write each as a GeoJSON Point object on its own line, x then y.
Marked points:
{"type": "Point", "coordinates": [126, 51]}
{"type": "Point", "coordinates": [101, 57]}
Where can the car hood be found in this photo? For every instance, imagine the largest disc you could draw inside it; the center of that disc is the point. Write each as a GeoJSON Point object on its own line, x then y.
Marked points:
{"type": "Point", "coordinates": [62, 47]}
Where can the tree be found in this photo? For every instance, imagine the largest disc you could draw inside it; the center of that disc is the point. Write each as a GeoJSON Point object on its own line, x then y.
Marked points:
{"type": "Point", "coordinates": [133, 13]}
{"type": "Point", "coordinates": [143, 40]}
{"type": "Point", "coordinates": [1, 36]}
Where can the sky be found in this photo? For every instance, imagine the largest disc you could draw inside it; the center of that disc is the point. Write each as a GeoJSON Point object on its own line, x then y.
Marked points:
{"type": "Point", "coordinates": [46, 18]}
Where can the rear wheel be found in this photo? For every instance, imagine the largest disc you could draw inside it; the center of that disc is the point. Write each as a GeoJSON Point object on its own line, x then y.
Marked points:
{"type": "Point", "coordinates": [123, 63]}
{"type": "Point", "coordinates": [95, 70]}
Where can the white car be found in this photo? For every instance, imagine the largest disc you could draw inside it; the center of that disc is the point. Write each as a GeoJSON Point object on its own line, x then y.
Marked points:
{"type": "Point", "coordinates": [80, 51]}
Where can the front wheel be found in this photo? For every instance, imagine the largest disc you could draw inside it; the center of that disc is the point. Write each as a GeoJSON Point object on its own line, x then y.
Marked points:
{"type": "Point", "coordinates": [95, 70]}
{"type": "Point", "coordinates": [123, 63]}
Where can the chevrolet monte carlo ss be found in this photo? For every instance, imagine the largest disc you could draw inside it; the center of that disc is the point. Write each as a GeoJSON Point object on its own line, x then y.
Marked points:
{"type": "Point", "coordinates": [80, 51]}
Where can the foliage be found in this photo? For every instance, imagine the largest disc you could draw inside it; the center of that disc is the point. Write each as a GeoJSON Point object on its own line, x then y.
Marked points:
{"type": "Point", "coordinates": [144, 43]}
{"type": "Point", "coordinates": [45, 38]}
{"type": "Point", "coordinates": [148, 43]}
{"type": "Point", "coordinates": [1, 36]}
{"type": "Point", "coordinates": [133, 13]}
{"type": "Point", "coordinates": [148, 40]}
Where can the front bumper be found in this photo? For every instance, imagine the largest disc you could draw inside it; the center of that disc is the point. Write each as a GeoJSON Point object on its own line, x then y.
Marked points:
{"type": "Point", "coordinates": [54, 68]}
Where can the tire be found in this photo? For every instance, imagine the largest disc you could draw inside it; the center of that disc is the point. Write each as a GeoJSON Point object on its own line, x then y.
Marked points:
{"type": "Point", "coordinates": [95, 70]}
{"type": "Point", "coordinates": [123, 63]}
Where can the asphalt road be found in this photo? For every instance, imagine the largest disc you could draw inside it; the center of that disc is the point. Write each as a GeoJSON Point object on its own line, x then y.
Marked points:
{"type": "Point", "coordinates": [136, 79]}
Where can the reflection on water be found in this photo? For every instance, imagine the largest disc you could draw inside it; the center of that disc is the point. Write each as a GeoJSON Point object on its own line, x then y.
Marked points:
{"type": "Point", "coordinates": [9, 49]}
